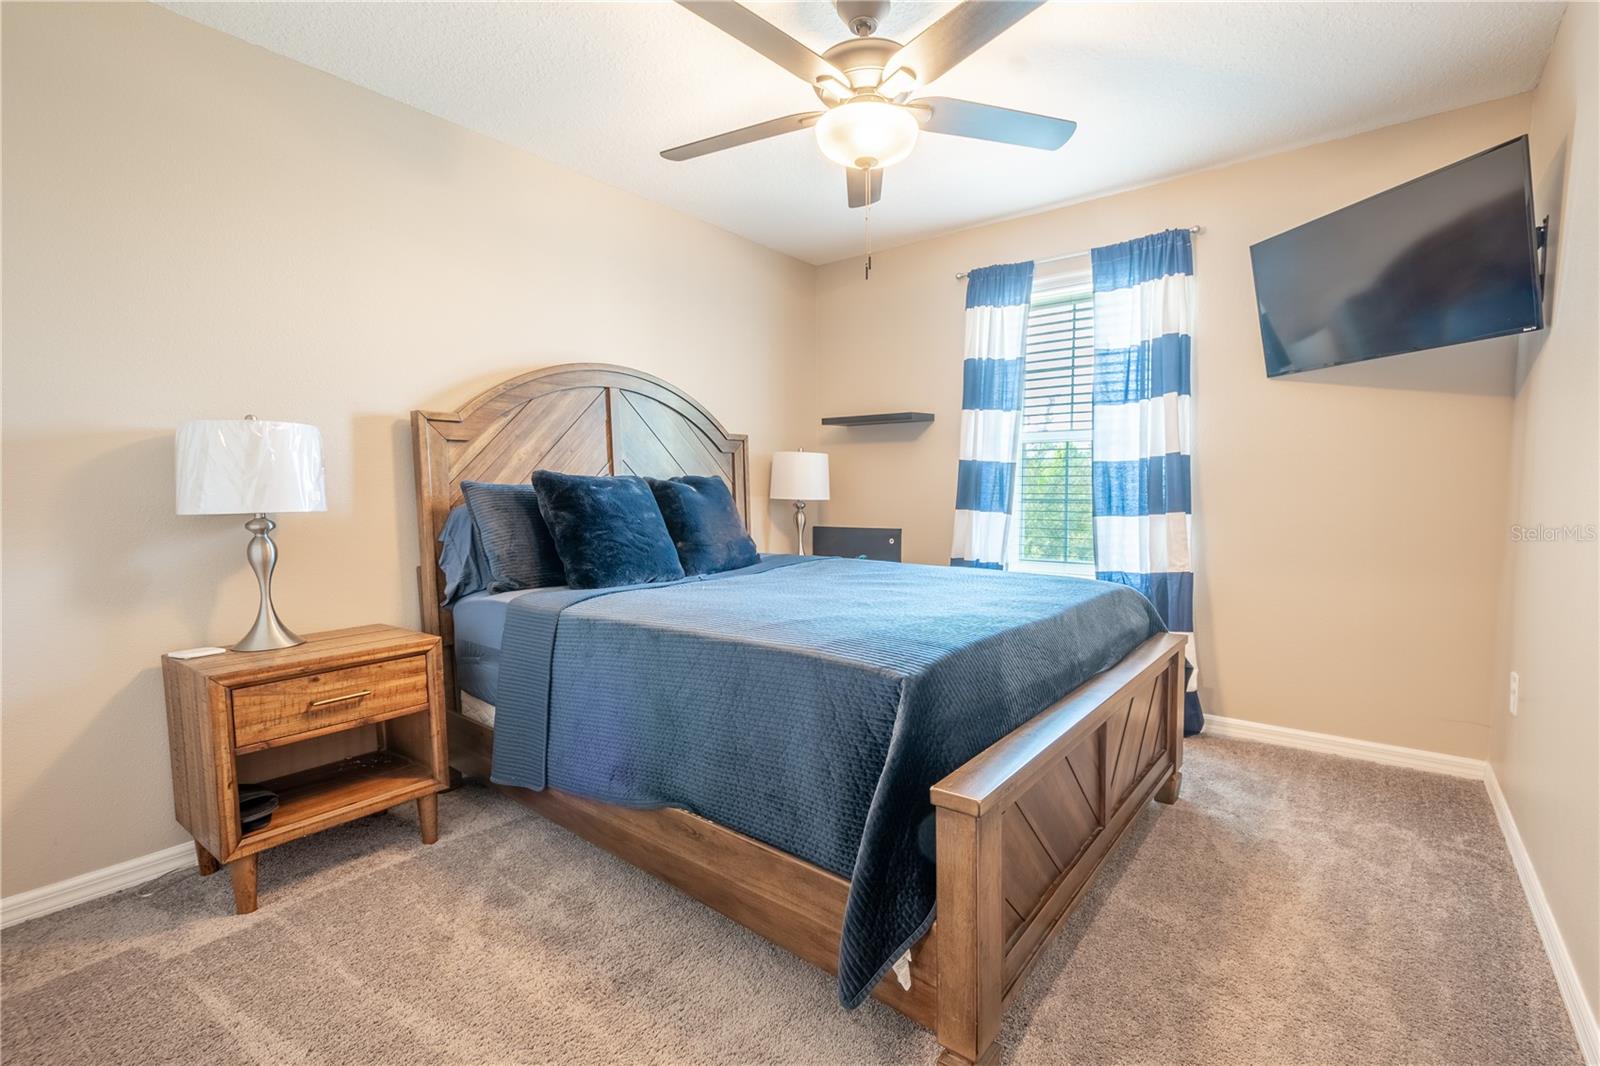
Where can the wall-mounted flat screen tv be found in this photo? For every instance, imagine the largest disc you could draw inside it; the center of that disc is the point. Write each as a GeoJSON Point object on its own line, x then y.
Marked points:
{"type": "Point", "coordinates": [1448, 258]}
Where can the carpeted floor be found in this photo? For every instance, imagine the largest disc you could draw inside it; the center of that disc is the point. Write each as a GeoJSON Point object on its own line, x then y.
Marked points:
{"type": "Point", "coordinates": [1292, 908]}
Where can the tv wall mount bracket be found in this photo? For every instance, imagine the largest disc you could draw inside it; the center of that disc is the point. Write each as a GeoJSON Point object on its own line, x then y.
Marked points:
{"type": "Point", "coordinates": [1541, 244]}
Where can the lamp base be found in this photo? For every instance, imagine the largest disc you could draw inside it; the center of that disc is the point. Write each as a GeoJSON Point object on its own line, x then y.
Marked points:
{"type": "Point", "coordinates": [268, 633]}
{"type": "Point", "coordinates": [800, 527]}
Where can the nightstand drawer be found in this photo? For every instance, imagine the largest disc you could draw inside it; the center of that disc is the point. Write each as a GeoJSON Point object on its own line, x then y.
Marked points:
{"type": "Point", "coordinates": [298, 705]}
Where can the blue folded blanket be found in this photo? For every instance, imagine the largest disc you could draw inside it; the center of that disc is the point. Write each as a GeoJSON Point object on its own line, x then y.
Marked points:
{"type": "Point", "coordinates": [808, 703]}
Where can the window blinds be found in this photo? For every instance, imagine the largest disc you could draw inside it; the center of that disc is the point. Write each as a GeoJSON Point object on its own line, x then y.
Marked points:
{"type": "Point", "coordinates": [1056, 501]}
{"type": "Point", "coordinates": [1060, 350]}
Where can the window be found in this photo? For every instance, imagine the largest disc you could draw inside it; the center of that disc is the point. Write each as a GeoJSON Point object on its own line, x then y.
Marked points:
{"type": "Point", "coordinates": [1055, 530]}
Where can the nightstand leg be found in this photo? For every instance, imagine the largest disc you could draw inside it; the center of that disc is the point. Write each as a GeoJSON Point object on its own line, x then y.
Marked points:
{"type": "Point", "coordinates": [208, 865]}
{"type": "Point", "coordinates": [428, 817]}
{"type": "Point", "coordinates": [243, 872]}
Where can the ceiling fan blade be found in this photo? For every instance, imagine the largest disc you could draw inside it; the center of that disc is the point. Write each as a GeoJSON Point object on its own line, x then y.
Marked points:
{"type": "Point", "coordinates": [953, 38]}
{"type": "Point", "coordinates": [753, 31]}
{"type": "Point", "coordinates": [733, 138]}
{"type": "Point", "coordinates": [863, 186]}
{"type": "Point", "coordinates": [963, 118]}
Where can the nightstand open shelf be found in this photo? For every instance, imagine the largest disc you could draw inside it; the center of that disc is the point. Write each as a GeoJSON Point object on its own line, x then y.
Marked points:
{"type": "Point", "coordinates": [337, 792]}
{"type": "Point", "coordinates": [347, 724]}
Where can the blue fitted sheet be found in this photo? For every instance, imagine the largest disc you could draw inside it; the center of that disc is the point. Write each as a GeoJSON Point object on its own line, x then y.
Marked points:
{"type": "Point", "coordinates": [480, 622]}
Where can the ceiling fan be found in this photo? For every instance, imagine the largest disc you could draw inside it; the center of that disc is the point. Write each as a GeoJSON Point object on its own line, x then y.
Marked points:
{"type": "Point", "coordinates": [870, 120]}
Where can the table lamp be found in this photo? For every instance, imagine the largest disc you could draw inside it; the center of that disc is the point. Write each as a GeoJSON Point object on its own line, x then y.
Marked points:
{"type": "Point", "coordinates": [248, 466]}
{"type": "Point", "coordinates": [799, 476]}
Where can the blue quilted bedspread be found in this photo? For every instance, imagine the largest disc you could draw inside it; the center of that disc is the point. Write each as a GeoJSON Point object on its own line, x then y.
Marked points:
{"type": "Point", "coordinates": [808, 703]}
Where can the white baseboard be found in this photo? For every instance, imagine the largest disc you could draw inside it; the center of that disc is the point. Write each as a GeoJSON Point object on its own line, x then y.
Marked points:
{"type": "Point", "coordinates": [94, 884]}
{"type": "Point", "coordinates": [1328, 744]}
{"type": "Point", "coordinates": [1583, 1020]}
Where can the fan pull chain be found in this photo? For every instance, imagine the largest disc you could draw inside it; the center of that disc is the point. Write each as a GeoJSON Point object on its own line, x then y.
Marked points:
{"type": "Point", "coordinates": [867, 215]}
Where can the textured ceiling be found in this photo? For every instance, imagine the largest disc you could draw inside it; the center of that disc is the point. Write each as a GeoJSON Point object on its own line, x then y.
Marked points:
{"type": "Point", "coordinates": [1156, 89]}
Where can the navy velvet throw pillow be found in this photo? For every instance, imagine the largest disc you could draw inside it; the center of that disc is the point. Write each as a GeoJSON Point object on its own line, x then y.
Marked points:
{"type": "Point", "coordinates": [608, 530]}
{"type": "Point", "coordinates": [704, 523]}
{"type": "Point", "coordinates": [516, 543]}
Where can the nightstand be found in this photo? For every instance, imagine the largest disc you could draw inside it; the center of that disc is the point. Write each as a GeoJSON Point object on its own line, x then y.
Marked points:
{"type": "Point", "coordinates": [345, 725]}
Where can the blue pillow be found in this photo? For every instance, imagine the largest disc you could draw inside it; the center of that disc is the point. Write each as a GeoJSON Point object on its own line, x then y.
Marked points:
{"type": "Point", "coordinates": [461, 557]}
{"type": "Point", "coordinates": [704, 523]}
{"type": "Point", "coordinates": [516, 542]}
{"type": "Point", "coordinates": [608, 530]}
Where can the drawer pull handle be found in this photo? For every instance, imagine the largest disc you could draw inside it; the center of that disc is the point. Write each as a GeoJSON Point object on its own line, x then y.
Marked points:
{"type": "Point", "coordinates": [342, 699]}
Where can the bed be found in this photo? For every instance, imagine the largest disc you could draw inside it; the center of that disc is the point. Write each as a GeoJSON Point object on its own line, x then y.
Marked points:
{"type": "Point", "coordinates": [1005, 840]}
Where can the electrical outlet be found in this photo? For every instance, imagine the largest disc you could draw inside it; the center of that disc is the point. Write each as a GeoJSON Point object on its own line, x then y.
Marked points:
{"type": "Point", "coordinates": [1514, 682]}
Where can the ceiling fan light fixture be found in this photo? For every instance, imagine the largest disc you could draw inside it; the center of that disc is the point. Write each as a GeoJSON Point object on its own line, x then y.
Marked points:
{"type": "Point", "coordinates": [871, 132]}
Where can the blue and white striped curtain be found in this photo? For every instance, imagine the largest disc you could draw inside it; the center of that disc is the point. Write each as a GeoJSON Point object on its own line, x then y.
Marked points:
{"type": "Point", "coordinates": [991, 412]}
{"type": "Point", "coordinates": [1143, 319]}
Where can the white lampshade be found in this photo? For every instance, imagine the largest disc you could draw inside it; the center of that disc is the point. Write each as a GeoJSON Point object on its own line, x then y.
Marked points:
{"type": "Point", "coordinates": [799, 476]}
{"type": "Point", "coordinates": [246, 466]}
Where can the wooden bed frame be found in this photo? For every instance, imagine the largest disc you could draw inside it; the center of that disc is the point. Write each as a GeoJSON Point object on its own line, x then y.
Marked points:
{"type": "Point", "coordinates": [1020, 829]}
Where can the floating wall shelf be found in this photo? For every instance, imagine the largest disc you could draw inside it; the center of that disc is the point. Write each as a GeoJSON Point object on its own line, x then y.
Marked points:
{"type": "Point", "coordinates": [892, 418]}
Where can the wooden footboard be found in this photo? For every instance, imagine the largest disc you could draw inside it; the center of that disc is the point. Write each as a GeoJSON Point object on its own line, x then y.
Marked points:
{"type": "Point", "coordinates": [1024, 826]}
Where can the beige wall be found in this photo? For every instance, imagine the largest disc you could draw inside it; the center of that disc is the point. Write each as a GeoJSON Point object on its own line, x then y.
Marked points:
{"type": "Point", "coordinates": [197, 228]}
{"type": "Point", "coordinates": [1547, 758]}
{"type": "Point", "coordinates": [1350, 526]}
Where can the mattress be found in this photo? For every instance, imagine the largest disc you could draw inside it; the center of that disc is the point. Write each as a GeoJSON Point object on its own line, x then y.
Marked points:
{"type": "Point", "coordinates": [476, 710]}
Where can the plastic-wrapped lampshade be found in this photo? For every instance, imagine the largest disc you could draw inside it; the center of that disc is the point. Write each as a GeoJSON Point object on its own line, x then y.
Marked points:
{"type": "Point", "coordinates": [867, 133]}
{"type": "Point", "coordinates": [246, 466]}
{"type": "Point", "coordinates": [799, 476]}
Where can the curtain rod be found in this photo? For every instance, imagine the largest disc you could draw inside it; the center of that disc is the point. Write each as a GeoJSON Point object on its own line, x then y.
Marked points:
{"type": "Point", "coordinates": [1072, 255]}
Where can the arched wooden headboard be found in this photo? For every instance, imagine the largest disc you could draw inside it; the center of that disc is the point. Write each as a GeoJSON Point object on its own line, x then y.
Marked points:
{"type": "Point", "coordinates": [578, 418]}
